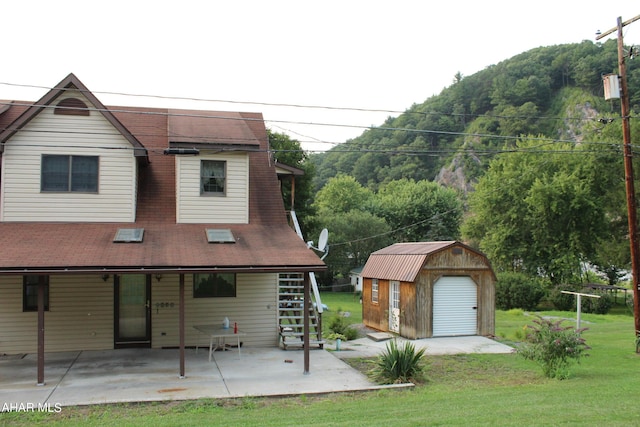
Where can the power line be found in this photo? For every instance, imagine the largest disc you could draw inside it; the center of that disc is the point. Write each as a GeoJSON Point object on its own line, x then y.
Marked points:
{"type": "Point", "coordinates": [304, 106]}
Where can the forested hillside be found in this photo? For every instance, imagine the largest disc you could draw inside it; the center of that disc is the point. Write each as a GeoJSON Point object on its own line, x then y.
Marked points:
{"type": "Point", "coordinates": [521, 160]}
{"type": "Point", "coordinates": [553, 91]}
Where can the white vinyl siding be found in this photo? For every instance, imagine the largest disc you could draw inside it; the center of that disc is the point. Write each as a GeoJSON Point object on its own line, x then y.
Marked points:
{"type": "Point", "coordinates": [93, 135]}
{"type": "Point", "coordinates": [253, 308]}
{"type": "Point", "coordinates": [196, 208]}
{"type": "Point", "coordinates": [80, 315]}
{"type": "Point", "coordinates": [455, 311]}
{"type": "Point", "coordinates": [82, 309]}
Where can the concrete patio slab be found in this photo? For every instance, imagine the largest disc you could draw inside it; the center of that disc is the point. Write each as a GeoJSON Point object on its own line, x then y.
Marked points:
{"type": "Point", "coordinates": [138, 375]}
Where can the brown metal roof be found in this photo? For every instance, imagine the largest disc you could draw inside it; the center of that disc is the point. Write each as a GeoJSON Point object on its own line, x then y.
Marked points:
{"type": "Point", "coordinates": [267, 243]}
{"type": "Point", "coordinates": [402, 261]}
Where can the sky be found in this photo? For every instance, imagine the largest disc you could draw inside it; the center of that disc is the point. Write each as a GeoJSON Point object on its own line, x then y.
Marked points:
{"type": "Point", "coordinates": [361, 61]}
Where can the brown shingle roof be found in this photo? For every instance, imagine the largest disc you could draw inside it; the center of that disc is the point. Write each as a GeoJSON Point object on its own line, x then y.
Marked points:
{"type": "Point", "coordinates": [267, 243]}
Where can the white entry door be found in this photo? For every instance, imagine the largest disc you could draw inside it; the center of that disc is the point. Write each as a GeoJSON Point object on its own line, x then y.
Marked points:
{"type": "Point", "coordinates": [455, 306]}
{"type": "Point", "coordinates": [394, 306]}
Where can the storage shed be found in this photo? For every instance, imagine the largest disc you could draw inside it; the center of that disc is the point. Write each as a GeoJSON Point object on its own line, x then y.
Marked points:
{"type": "Point", "coordinates": [429, 289]}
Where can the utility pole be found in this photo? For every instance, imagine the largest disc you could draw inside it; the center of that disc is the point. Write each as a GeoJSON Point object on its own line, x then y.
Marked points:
{"type": "Point", "coordinates": [628, 172]}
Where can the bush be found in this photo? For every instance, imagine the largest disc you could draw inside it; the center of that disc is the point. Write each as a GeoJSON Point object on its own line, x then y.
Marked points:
{"type": "Point", "coordinates": [553, 346]}
{"type": "Point", "coordinates": [563, 302]}
{"type": "Point", "coordinates": [398, 364]}
{"type": "Point", "coordinates": [600, 305]}
{"type": "Point", "coordinates": [516, 290]}
{"type": "Point", "coordinates": [339, 325]}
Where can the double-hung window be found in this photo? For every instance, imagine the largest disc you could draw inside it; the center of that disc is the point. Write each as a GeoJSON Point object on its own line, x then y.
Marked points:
{"type": "Point", "coordinates": [65, 173]}
{"type": "Point", "coordinates": [213, 177]}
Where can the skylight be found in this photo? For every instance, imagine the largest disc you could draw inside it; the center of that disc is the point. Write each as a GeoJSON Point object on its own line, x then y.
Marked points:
{"type": "Point", "coordinates": [220, 235]}
{"type": "Point", "coordinates": [129, 235]}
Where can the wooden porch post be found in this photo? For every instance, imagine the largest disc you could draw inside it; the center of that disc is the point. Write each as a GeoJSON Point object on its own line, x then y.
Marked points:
{"type": "Point", "coordinates": [306, 304]}
{"type": "Point", "coordinates": [41, 288]}
{"type": "Point", "coordinates": [181, 324]}
{"type": "Point", "coordinates": [293, 191]}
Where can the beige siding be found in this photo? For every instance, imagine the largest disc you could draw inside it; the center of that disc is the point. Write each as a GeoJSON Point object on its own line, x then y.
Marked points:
{"type": "Point", "coordinates": [254, 309]}
{"type": "Point", "coordinates": [80, 315]}
{"type": "Point", "coordinates": [64, 134]}
{"type": "Point", "coordinates": [232, 208]}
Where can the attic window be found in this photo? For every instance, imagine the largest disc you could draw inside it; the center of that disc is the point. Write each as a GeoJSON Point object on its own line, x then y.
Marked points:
{"type": "Point", "coordinates": [222, 235]}
{"type": "Point", "coordinates": [129, 235]}
{"type": "Point", "coordinates": [456, 251]}
{"type": "Point", "coordinates": [71, 107]}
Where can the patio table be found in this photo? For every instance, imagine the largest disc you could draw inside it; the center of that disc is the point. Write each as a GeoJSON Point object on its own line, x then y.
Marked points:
{"type": "Point", "coordinates": [219, 334]}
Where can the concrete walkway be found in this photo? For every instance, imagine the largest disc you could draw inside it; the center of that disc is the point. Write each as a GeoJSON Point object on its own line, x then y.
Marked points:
{"type": "Point", "coordinates": [137, 375]}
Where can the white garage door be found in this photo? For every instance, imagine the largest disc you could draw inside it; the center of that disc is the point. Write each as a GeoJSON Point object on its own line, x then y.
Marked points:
{"type": "Point", "coordinates": [455, 306]}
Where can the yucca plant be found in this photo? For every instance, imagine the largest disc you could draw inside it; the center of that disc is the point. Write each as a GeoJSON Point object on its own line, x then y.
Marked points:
{"type": "Point", "coordinates": [398, 364]}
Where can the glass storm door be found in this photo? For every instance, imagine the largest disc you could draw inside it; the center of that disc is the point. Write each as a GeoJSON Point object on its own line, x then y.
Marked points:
{"type": "Point", "coordinates": [132, 310]}
{"type": "Point", "coordinates": [394, 306]}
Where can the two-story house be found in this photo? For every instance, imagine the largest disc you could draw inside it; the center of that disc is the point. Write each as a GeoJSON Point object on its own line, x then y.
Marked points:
{"type": "Point", "coordinates": [124, 226]}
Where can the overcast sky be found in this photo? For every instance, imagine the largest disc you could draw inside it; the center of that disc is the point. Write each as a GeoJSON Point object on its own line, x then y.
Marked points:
{"type": "Point", "coordinates": [366, 55]}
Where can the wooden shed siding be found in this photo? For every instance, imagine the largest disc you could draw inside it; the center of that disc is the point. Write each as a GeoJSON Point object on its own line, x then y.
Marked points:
{"type": "Point", "coordinates": [64, 134]}
{"type": "Point", "coordinates": [424, 307]}
{"type": "Point", "coordinates": [376, 315]}
{"type": "Point", "coordinates": [446, 259]}
{"type": "Point", "coordinates": [253, 308]}
{"type": "Point", "coordinates": [408, 310]}
{"type": "Point", "coordinates": [232, 208]}
{"type": "Point", "coordinates": [80, 315]}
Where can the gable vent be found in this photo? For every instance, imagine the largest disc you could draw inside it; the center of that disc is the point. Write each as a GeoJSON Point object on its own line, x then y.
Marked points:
{"type": "Point", "coordinates": [72, 107]}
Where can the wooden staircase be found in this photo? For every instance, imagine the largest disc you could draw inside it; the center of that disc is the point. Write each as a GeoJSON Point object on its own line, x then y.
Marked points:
{"type": "Point", "coordinates": [291, 313]}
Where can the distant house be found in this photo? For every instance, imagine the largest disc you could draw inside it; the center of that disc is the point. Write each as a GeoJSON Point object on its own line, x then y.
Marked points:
{"type": "Point", "coordinates": [429, 289]}
{"type": "Point", "coordinates": [123, 226]}
{"type": "Point", "coordinates": [356, 279]}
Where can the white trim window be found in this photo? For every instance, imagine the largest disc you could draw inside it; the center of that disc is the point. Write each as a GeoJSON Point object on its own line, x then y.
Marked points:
{"type": "Point", "coordinates": [374, 290]}
{"type": "Point", "coordinates": [213, 174]}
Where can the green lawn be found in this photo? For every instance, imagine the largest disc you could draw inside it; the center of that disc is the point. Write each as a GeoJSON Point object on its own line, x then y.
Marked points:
{"type": "Point", "coordinates": [478, 390]}
{"type": "Point", "coordinates": [340, 304]}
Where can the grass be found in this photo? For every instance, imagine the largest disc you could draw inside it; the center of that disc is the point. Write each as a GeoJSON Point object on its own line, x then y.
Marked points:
{"type": "Point", "coordinates": [477, 389]}
{"type": "Point", "coordinates": [340, 303]}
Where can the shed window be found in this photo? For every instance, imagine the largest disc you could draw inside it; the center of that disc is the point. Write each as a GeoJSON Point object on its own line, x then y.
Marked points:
{"type": "Point", "coordinates": [30, 293]}
{"type": "Point", "coordinates": [374, 290]}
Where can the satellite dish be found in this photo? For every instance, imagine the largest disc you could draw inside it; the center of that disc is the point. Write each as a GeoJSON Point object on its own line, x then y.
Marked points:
{"type": "Point", "coordinates": [322, 240]}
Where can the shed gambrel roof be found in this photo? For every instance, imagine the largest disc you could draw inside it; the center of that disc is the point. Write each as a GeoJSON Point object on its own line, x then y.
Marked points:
{"type": "Point", "coordinates": [403, 261]}
{"type": "Point", "coordinates": [266, 244]}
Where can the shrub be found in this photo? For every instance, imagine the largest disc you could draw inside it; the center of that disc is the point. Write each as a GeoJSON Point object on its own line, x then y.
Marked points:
{"type": "Point", "coordinates": [600, 305]}
{"type": "Point", "coordinates": [553, 346]}
{"type": "Point", "coordinates": [563, 302]}
{"type": "Point", "coordinates": [340, 326]}
{"type": "Point", "coordinates": [517, 290]}
{"type": "Point", "coordinates": [398, 364]}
